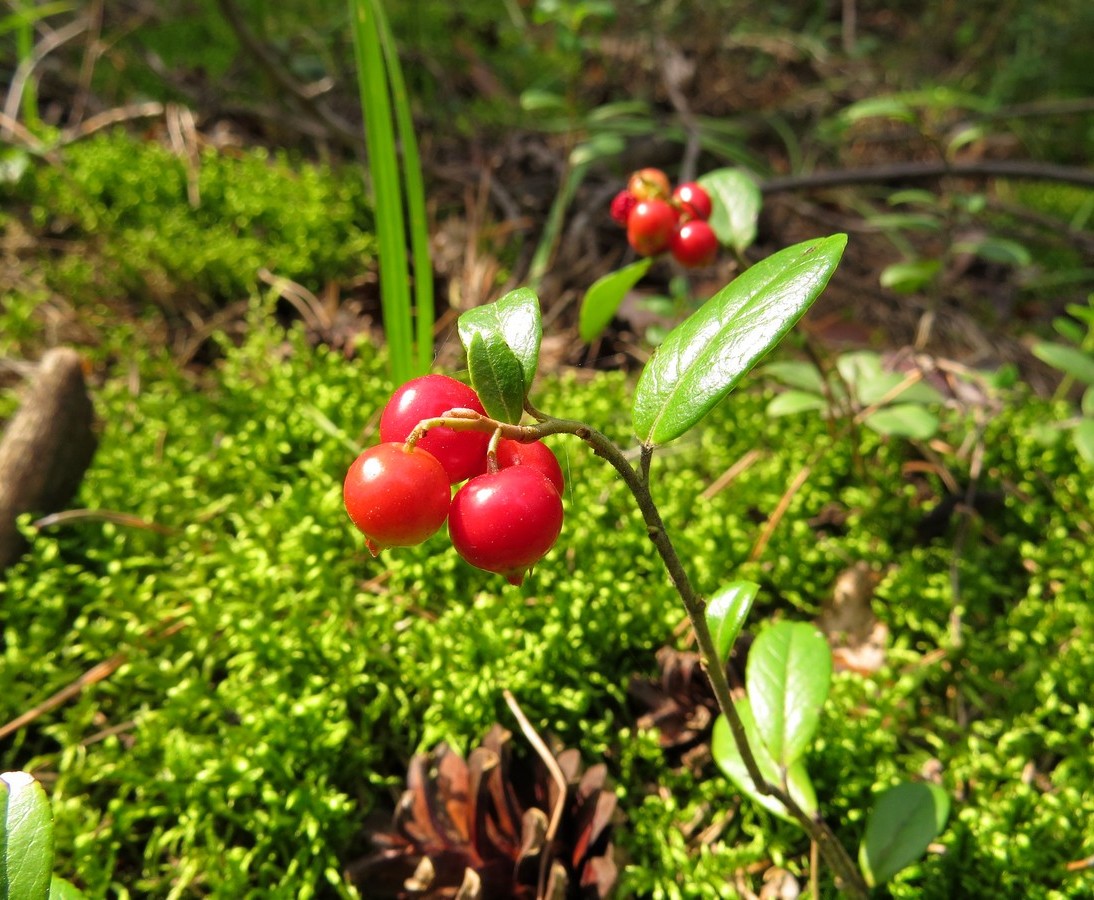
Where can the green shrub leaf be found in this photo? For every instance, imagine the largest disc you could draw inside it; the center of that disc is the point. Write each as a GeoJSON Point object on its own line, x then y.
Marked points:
{"type": "Point", "coordinates": [515, 318]}
{"type": "Point", "coordinates": [605, 294]}
{"type": "Point", "coordinates": [1069, 360]}
{"type": "Point", "coordinates": [736, 206]}
{"type": "Point", "coordinates": [788, 675]}
{"type": "Point", "coordinates": [790, 402]}
{"type": "Point", "coordinates": [908, 420]}
{"type": "Point", "coordinates": [1083, 438]}
{"type": "Point", "coordinates": [726, 613]}
{"type": "Point", "coordinates": [904, 821]}
{"type": "Point", "coordinates": [796, 373]}
{"type": "Point", "coordinates": [62, 889]}
{"type": "Point", "coordinates": [704, 357]}
{"type": "Point", "coordinates": [724, 749]}
{"type": "Point", "coordinates": [909, 277]}
{"type": "Point", "coordinates": [26, 838]}
{"type": "Point", "coordinates": [496, 376]}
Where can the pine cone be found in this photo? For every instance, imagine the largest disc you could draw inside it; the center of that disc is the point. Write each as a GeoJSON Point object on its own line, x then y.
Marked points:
{"type": "Point", "coordinates": [477, 830]}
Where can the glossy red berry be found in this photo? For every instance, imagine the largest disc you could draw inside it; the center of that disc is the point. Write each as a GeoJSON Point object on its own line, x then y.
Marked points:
{"type": "Point", "coordinates": [396, 497]}
{"type": "Point", "coordinates": [649, 184]}
{"type": "Point", "coordinates": [506, 521]}
{"type": "Point", "coordinates": [622, 204]}
{"type": "Point", "coordinates": [650, 226]}
{"type": "Point", "coordinates": [694, 244]}
{"type": "Point", "coordinates": [535, 454]}
{"type": "Point", "coordinates": [693, 201]}
{"type": "Point", "coordinates": [460, 452]}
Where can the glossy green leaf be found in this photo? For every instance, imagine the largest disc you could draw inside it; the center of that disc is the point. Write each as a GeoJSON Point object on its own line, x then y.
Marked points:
{"type": "Point", "coordinates": [790, 403]}
{"type": "Point", "coordinates": [1069, 360]}
{"type": "Point", "coordinates": [890, 107]}
{"type": "Point", "coordinates": [796, 374]}
{"type": "Point", "coordinates": [871, 382]}
{"type": "Point", "coordinates": [910, 277]}
{"type": "Point", "coordinates": [724, 749]}
{"type": "Point", "coordinates": [904, 821]}
{"type": "Point", "coordinates": [788, 675]}
{"type": "Point", "coordinates": [496, 376]}
{"type": "Point", "coordinates": [705, 356]}
{"type": "Point", "coordinates": [1082, 436]}
{"type": "Point", "coordinates": [907, 420]}
{"type": "Point", "coordinates": [1086, 402]}
{"type": "Point", "coordinates": [726, 613]}
{"type": "Point", "coordinates": [997, 250]}
{"type": "Point", "coordinates": [515, 318]}
{"type": "Point", "coordinates": [62, 889]}
{"type": "Point", "coordinates": [602, 299]}
{"type": "Point", "coordinates": [26, 838]}
{"type": "Point", "coordinates": [736, 200]}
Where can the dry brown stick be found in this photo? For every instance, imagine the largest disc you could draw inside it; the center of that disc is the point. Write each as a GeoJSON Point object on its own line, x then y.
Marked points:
{"type": "Point", "coordinates": [780, 510]}
{"type": "Point", "coordinates": [94, 675]}
{"type": "Point", "coordinates": [560, 780]}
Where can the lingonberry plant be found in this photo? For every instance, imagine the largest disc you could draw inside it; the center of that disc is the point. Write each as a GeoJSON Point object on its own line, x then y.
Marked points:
{"type": "Point", "coordinates": [508, 518]}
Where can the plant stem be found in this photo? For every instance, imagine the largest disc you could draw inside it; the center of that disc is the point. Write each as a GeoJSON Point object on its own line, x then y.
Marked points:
{"type": "Point", "coordinates": [831, 849]}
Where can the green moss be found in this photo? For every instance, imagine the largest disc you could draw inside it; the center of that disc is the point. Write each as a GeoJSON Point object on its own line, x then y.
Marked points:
{"type": "Point", "coordinates": [276, 678]}
{"type": "Point", "coordinates": [131, 219]}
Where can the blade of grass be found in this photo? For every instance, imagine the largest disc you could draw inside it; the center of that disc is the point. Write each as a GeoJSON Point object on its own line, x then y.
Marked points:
{"type": "Point", "coordinates": [415, 197]}
{"type": "Point", "coordinates": [375, 98]}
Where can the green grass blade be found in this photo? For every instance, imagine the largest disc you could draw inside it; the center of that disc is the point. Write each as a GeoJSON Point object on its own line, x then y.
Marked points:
{"type": "Point", "coordinates": [414, 188]}
{"type": "Point", "coordinates": [386, 186]}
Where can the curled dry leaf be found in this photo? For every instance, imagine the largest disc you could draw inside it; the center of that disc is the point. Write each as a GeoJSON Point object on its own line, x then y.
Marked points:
{"type": "Point", "coordinates": [847, 619]}
{"type": "Point", "coordinates": [477, 829]}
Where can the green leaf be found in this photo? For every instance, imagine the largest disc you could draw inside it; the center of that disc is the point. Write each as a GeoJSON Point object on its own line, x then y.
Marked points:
{"type": "Point", "coordinates": [1086, 403]}
{"type": "Point", "coordinates": [863, 371]}
{"type": "Point", "coordinates": [1082, 436]}
{"type": "Point", "coordinates": [705, 356]}
{"type": "Point", "coordinates": [62, 889]}
{"type": "Point", "coordinates": [891, 107]}
{"type": "Point", "coordinates": [997, 250]}
{"type": "Point", "coordinates": [1070, 360]}
{"type": "Point", "coordinates": [515, 318]}
{"type": "Point", "coordinates": [736, 202]}
{"type": "Point", "coordinates": [496, 376]}
{"type": "Point", "coordinates": [602, 299]}
{"type": "Point", "coordinates": [729, 760]}
{"type": "Point", "coordinates": [909, 277]}
{"type": "Point", "coordinates": [788, 675]}
{"type": "Point", "coordinates": [26, 838]}
{"type": "Point", "coordinates": [796, 374]}
{"type": "Point", "coordinates": [908, 420]}
{"type": "Point", "coordinates": [789, 403]}
{"type": "Point", "coordinates": [904, 821]}
{"type": "Point", "coordinates": [726, 613]}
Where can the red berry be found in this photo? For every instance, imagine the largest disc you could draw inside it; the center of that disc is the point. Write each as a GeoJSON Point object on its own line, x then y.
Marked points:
{"type": "Point", "coordinates": [694, 244]}
{"type": "Point", "coordinates": [506, 521]}
{"type": "Point", "coordinates": [650, 226]}
{"type": "Point", "coordinates": [396, 497]}
{"type": "Point", "coordinates": [536, 454]}
{"type": "Point", "coordinates": [649, 184]}
{"type": "Point", "coordinates": [460, 452]}
{"type": "Point", "coordinates": [622, 204]}
{"type": "Point", "coordinates": [693, 201]}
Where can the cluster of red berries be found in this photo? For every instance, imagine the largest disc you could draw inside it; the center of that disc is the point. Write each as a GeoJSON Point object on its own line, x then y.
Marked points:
{"type": "Point", "coordinates": [658, 218]}
{"type": "Point", "coordinates": [504, 519]}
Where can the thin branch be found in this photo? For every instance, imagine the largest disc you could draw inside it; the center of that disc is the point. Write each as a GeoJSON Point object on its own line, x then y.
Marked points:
{"type": "Point", "coordinates": [557, 774]}
{"type": "Point", "coordinates": [278, 72]}
{"type": "Point", "coordinates": [920, 171]}
{"type": "Point", "coordinates": [26, 68]}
